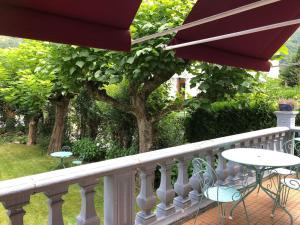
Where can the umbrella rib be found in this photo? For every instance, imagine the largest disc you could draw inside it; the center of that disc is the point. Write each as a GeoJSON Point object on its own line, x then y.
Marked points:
{"type": "Point", "coordinates": [236, 34]}
{"type": "Point", "coordinates": [206, 20]}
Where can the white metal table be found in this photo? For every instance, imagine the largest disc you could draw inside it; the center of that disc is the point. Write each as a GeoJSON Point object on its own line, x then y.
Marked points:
{"type": "Point", "coordinates": [62, 155]}
{"type": "Point", "coordinates": [261, 160]}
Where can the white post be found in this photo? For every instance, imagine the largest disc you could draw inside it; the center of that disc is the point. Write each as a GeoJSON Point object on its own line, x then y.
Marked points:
{"type": "Point", "coordinates": [88, 215]}
{"type": "Point", "coordinates": [119, 198]}
{"type": "Point", "coordinates": [287, 119]}
{"type": "Point", "coordinates": [165, 191]}
{"type": "Point", "coordinates": [55, 203]}
{"type": "Point", "coordinates": [182, 186]}
{"type": "Point", "coordinates": [146, 198]}
{"type": "Point", "coordinates": [14, 205]}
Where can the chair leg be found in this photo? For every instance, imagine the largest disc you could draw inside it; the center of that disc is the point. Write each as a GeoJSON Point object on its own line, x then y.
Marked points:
{"type": "Point", "coordinates": [198, 210]}
{"type": "Point", "coordinates": [221, 214]}
{"type": "Point", "coordinates": [247, 216]}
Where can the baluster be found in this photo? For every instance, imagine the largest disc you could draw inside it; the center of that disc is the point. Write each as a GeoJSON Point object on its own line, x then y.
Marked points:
{"type": "Point", "coordinates": [269, 142]}
{"type": "Point", "coordinates": [182, 186]}
{"type": "Point", "coordinates": [146, 198]}
{"type": "Point", "coordinates": [14, 205]}
{"type": "Point", "coordinates": [165, 191]}
{"type": "Point", "coordinates": [264, 143]}
{"type": "Point", "coordinates": [55, 203]}
{"type": "Point", "coordinates": [195, 195]}
{"type": "Point", "coordinates": [88, 215]}
{"type": "Point", "coordinates": [281, 141]}
{"type": "Point", "coordinates": [240, 168]}
{"type": "Point", "coordinates": [221, 168]}
{"type": "Point", "coordinates": [276, 142]}
{"type": "Point", "coordinates": [232, 171]}
{"type": "Point", "coordinates": [273, 142]}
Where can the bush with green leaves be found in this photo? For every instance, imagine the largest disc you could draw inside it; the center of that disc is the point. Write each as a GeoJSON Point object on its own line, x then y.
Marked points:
{"type": "Point", "coordinates": [115, 151]}
{"type": "Point", "coordinates": [248, 113]}
{"type": "Point", "coordinates": [88, 150]}
{"type": "Point", "coordinates": [170, 130]}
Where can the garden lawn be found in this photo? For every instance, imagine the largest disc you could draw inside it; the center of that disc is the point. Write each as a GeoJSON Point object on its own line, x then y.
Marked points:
{"type": "Point", "coordinates": [18, 160]}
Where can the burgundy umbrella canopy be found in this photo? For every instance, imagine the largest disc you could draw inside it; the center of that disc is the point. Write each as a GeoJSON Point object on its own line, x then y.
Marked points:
{"type": "Point", "coordinates": [251, 51]}
{"type": "Point", "coordinates": [93, 23]}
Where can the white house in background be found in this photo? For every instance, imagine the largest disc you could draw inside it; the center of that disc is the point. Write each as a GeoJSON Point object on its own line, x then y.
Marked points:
{"type": "Point", "coordinates": [274, 72]}
{"type": "Point", "coordinates": [182, 81]}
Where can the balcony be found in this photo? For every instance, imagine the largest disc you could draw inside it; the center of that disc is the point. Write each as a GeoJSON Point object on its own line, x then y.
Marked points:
{"type": "Point", "coordinates": [172, 204]}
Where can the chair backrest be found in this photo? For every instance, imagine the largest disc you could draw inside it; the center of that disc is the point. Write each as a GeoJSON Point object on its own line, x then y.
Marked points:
{"type": "Point", "coordinates": [205, 173]}
{"type": "Point", "coordinates": [66, 148]}
{"type": "Point", "coordinates": [291, 145]}
{"type": "Point", "coordinates": [208, 178]}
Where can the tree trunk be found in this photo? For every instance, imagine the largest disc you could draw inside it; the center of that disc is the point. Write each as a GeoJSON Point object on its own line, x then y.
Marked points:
{"type": "Point", "coordinates": [145, 125]}
{"type": "Point", "coordinates": [32, 130]}
{"type": "Point", "coordinates": [61, 111]}
{"type": "Point", "coordinates": [145, 134]}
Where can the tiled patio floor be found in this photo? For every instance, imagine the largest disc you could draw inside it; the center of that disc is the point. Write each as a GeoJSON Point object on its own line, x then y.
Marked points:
{"type": "Point", "coordinates": [259, 208]}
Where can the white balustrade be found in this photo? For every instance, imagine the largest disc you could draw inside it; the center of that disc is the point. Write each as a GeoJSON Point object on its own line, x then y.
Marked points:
{"type": "Point", "coordinates": [120, 187]}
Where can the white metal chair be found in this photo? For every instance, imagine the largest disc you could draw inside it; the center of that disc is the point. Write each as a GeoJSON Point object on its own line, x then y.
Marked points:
{"type": "Point", "coordinates": [221, 194]}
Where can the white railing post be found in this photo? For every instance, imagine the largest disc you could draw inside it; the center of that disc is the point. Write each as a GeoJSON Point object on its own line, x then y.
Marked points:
{"type": "Point", "coordinates": [195, 194]}
{"type": "Point", "coordinates": [146, 198]}
{"type": "Point", "coordinates": [88, 215]}
{"type": "Point", "coordinates": [14, 205]}
{"type": "Point", "coordinates": [55, 203]}
{"type": "Point", "coordinates": [119, 198]}
{"type": "Point", "coordinates": [182, 186]}
{"type": "Point", "coordinates": [165, 191]}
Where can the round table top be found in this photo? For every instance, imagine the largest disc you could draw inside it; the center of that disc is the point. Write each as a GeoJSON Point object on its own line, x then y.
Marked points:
{"type": "Point", "coordinates": [260, 157]}
{"type": "Point", "coordinates": [61, 154]}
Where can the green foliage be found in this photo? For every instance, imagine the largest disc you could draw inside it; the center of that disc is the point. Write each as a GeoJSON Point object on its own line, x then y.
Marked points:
{"type": "Point", "coordinates": [116, 151]}
{"type": "Point", "coordinates": [171, 131]}
{"type": "Point", "coordinates": [21, 84]}
{"type": "Point", "coordinates": [247, 113]}
{"type": "Point", "coordinates": [88, 150]}
{"type": "Point", "coordinates": [217, 82]}
{"type": "Point", "coordinates": [291, 74]}
{"type": "Point", "coordinates": [13, 138]}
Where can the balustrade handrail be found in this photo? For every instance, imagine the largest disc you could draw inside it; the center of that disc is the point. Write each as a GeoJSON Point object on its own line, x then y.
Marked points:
{"type": "Point", "coordinates": [42, 182]}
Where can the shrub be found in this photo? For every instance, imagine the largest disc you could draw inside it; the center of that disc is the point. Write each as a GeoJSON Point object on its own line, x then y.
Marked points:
{"type": "Point", "coordinates": [87, 149]}
{"type": "Point", "coordinates": [19, 137]}
{"type": "Point", "coordinates": [170, 131]}
{"type": "Point", "coordinates": [232, 117]}
{"type": "Point", "coordinates": [115, 151]}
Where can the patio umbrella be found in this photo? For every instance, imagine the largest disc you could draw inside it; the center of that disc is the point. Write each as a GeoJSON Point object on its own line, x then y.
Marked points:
{"type": "Point", "coordinates": [251, 51]}
{"type": "Point", "coordinates": [93, 23]}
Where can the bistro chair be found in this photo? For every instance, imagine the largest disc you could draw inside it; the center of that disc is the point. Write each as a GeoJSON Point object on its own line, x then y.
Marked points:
{"type": "Point", "coordinates": [221, 194]}
{"type": "Point", "coordinates": [278, 174]}
{"type": "Point", "coordinates": [287, 183]}
{"type": "Point", "coordinates": [285, 148]}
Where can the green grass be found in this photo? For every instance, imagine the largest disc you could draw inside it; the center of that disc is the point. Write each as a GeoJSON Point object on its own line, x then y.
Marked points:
{"type": "Point", "coordinates": [18, 160]}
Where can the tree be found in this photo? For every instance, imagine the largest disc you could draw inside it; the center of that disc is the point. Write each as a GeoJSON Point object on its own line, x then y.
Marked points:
{"type": "Point", "coordinates": [291, 73]}
{"type": "Point", "coordinates": [65, 87]}
{"type": "Point", "coordinates": [21, 83]}
{"type": "Point", "coordinates": [145, 68]}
